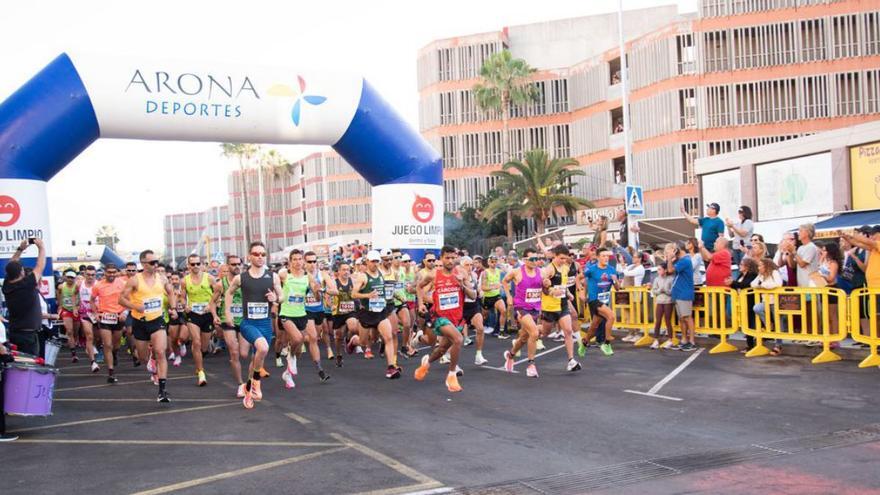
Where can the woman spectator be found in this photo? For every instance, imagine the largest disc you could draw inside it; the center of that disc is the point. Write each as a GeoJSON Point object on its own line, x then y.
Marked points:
{"type": "Point", "coordinates": [757, 251]}
{"type": "Point", "coordinates": [783, 259]}
{"type": "Point", "coordinates": [633, 275]}
{"type": "Point", "coordinates": [830, 261]}
{"type": "Point", "coordinates": [600, 226]}
{"type": "Point", "coordinates": [692, 246]}
{"type": "Point", "coordinates": [768, 278]}
{"type": "Point", "coordinates": [741, 231]}
{"type": "Point", "coordinates": [661, 289]}
{"type": "Point", "coordinates": [748, 270]}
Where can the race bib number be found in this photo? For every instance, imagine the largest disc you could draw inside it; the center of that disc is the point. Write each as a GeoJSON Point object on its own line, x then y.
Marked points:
{"type": "Point", "coordinates": [346, 306]}
{"type": "Point", "coordinates": [605, 298]}
{"type": "Point", "coordinates": [67, 301]}
{"type": "Point", "coordinates": [389, 291]}
{"type": "Point", "coordinates": [236, 310]}
{"type": "Point", "coordinates": [295, 299]}
{"type": "Point", "coordinates": [197, 308]}
{"type": "Point", "coordinates": [153, 305]}
{"type": "Point", "coordinates": [377, 305]}
{"type": "Point", "coordinates": [449, 300]}
{"type": "Point", "coordinates": [258, 310]}
{"type": "Point", "coordinates": [109, 318]}
{"type": "Point", "coordinates": [559, 290]}
{"type": "Point", "coordinates": [311, 300]}
{"type": "Point", "coordinates": [533, 295]}
{"type": "Point", "coordinates": [399, 286]}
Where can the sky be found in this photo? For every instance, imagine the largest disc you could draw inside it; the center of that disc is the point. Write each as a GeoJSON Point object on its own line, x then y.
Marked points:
{"type": "Point", "coordinates": [133, 184]}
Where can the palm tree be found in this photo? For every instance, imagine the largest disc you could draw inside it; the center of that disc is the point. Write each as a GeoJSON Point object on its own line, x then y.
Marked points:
{"type": "Point", "coordinates": [276, 167]}
{"type": "Point", "coordinates": [244, 153]}
{"type": "Point", "coordinates": [541, 187]}
{"type": "Point", "coordinates": [504, 82]}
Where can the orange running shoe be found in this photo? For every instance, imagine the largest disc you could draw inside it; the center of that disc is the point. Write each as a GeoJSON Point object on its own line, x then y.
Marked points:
{"type": "Point", "coordinates": [368, 353]}
{"type": "Point", "coordinates": [422, 371]}
{"type": "Point", "coordinates": [452, 383]}
{"type": "Point", "coordinates": [256, 393]}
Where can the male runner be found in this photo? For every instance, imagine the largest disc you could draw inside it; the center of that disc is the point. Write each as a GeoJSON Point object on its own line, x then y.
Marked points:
{"type": "Point", "coordinates": [370, 288]}
{"type": "Point", "coordinates": [472, 313]}
{"type": "Point", "coordinates": [600, 277]}
{"type": "Point", "coordinates": [144, 295]}
{"type": "Point", "coordinates": [230, 328]}
{"type": "Point", "coordinates": [177, 329]}
{"type": "Point", "coordinates": [67, 296]}
{"type": "Point", "coordinates": [344, 309]}
{"type": "Point", "coordinates": [401, 311]}
{"type": "Point", "coordinates": [87, 316]}
{"type": "Point", "coordinates": [314, 305]}
{"type": "Point", "coordinates": [529, 285]}
{"type": "Point", "coordinates": [389, 274]}
{"type": "Point", "coordinates": [424, 318]}
{"type": "Point", "coordinates": [490, 283]}
{"type": "Point", "coordinates": [408, 274]}
{"type": "Point", "coordinates": [199, 289]}
{"type": "Point", "coordinates": [259, 289]}
{"type": "Point", "coordinates": [131, 269]}
{"type": "Point", "coordinates": [111, 315]}
{"type": "Point", "coordinates": [451, 285]}
{"type": "Point", "coordinates": [555, 307]}
{"type": "Point", "coordinates": [297, 283]}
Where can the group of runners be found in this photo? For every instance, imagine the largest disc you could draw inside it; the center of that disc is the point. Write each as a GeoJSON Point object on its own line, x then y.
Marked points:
{"type": "Point", "coordinates": [383, 299]}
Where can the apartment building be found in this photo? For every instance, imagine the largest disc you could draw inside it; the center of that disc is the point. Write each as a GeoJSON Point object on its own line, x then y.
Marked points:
{"type": "Point", "coordinates": [200, 232]}
{"type": "Point", "coordinates": [734, 75]}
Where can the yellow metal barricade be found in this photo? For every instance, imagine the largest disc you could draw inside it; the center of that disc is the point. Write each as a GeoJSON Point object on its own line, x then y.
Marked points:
{"type": "Point", "coordinates": [716, 313]}
{"type": "Point", "coordinates": [797, 313]}
{"type": "Point", "coordinates": [633, 308]}
{"type": "Point", "coordinates": [863, 305]}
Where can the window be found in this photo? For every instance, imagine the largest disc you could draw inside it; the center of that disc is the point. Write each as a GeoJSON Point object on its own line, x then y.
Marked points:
{"type": "Point", "coordinates": [447, 108]}
{"type": "Point", "coordinates": [849, 101]}
{"type": "Point", "coordinates": [688, 157]}
{"type": "Point", "coordinates": [687, 108]}
{"type": "Point", "coordinates": [845, 35]}
{"type": "Point", "coordinates": [614, 71]}
{"type": "Point", "coordinates": [686, 53]}
{"type": "Point", "coordinates": [619, 170]}
{"type": "Point", "coordinates": [691, 205]}
{"type": "Point", "coordinates": [715, 47]}
{"type": "Point", "coordinates": [561, 138]}
{"type": "Point", "coordinates": [444, 62]}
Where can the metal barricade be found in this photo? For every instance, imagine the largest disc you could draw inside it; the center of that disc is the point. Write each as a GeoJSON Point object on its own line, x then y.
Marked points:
{"type": "Point", "coordinates": [863, 305]}
{"type": "Point", "coordinates": [716, 312]}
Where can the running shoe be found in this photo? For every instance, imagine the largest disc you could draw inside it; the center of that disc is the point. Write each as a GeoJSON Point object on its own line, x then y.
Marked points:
{"type": "Point", "coordinates": [349, 347]}
{"type": "Point", "coordinates": [573, 365]}
{"type": "Point", "coordinates": [689, 347]}
{"type": "Point", "coordinates": [606, 349]}
{"type": "Point", "coordinates": [74, 359]}
{"type": "Point", "coordinates": [452, 383]}
{"type": "Point", "coordinates": [382, 348]}
{"type": "Point", "coordinates": [172, 356]}
{"type": "Point", "coordinates": [368, 353]}
{"type": "Point", "coordinates": [416, 339]}
{"type": "Point", "coordinates": [256, 390]}
{"type": "Point", "coordinates": [163, 397]}
{"type": "Point", "coordinates": [422, 370]}
{"type": "Point", "coordinates": [278, 362]}
{"type": "Point", "coordinates": [182, 350]}
{"type": "Point", "coordinates": [559, 338]}
{"type": "Point", "coordinates": [532, 371]}
{"type": "Point", "coordinates": [112, 379]}
{"type": "Point", "coordinates": [291, 365]}
{"type": "Point", "coordinates": [458, 371]}
{"type": "Point", "coordinates": [330, 355]}
{"type": "Point", "coordinates": [323, 375]}
{"type": "Point", "coordinates": [655, 344]}
{"type": "Point", "coordinates": [288, 380]}
{"type": "Point", "coordinates": [248, 401]}
{"type": "Point", "coordinates": [582, 348]}
{"type": "Point", "coordinates": [444, 359]}
{"type": "Point", "coordinates": [553, 335]}
{"type": "Point", "coordinates": [480, 360]}
{"type": "Point", "coordinates": [503, 335]}
{"type": "Point", "coordinates": [540, 345]}
{"type": "Point", "coordinates": [339, 360]}
{"type": "Point", "coordinates": [95, 367]}
{"type": "Point", "coordinates": [99, 356]}
{"type": "Point", "coordinates": [508, 362]}
{"type": "Point", "coordinates": [151, 365]}
{"type": "Point", "coordinates": [359, 350]}
{"type": "Point", "coordinates": [202, 380]}
{"type": "Point", "coordinates": [468, 341]}
{"type": "Point", "coordinates": [155, 379]}
{"type": "Point", "coordinates": [242, 391]}
{"type": "Point", "coordinates": [285, 351]}
{"type": "Point", "coordinates": [392, 373]}
{"type": "Point", "coordinates": [667, 345]}
{"type": "Point", "coordinates": [176, 361]}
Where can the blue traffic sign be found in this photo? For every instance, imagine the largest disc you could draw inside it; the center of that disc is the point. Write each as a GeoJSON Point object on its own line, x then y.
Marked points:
{"type": "Point", "coordinates": [635, 200]}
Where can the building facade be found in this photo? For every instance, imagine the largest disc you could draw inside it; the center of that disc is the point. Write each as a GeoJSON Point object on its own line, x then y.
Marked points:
{"type": "Point", "coordinates": [734, 75]}
{"type": "Point", "coordinates": [197, 232]}
{"type": "Point", "coordinates": [316, 198]}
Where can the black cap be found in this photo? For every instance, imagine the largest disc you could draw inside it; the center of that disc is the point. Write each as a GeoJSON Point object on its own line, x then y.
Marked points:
{"type": "Point", "coordinates": [714, 206]}
{"type": "Point", "coordinates": [875, 229]}
{"type": "Point", "coordinates": [864, 229]}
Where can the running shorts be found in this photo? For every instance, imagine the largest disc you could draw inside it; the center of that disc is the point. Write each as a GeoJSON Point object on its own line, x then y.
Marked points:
{"type": "Point", "coordinates": [65, 314]}
{"type": "Point", "coordinates": [205, 322]}
{"type": "Point", "coordinates": [316, 316]}
{"type": "Point", "coordinates": [142, 330]}
{"type": "Point", "coordinates": [339, 321]}
{"type": "Point", "coordinates": [253, 330]}
{"type": "Point", "coordinates": [371, 319]}
{"type": "Point", "coordinates": [470, 310]}
{"type": "Point", "coordinates": [440, 322]}
{"type": "Point", "coordinates": [226, 327]}
{"type": "Point", "coordinates": [520, 313]}
{"type": "Point", "coordinates": [489, 302]}
{"type": "Point", "coordinates": [300, 322]}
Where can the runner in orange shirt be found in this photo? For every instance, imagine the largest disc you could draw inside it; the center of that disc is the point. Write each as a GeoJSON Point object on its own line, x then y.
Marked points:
{"type": "Point", "coordinates": [111, 315]}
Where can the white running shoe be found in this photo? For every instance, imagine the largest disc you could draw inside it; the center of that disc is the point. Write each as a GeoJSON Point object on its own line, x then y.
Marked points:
{"type": "Point", "coordinates": [359, 350]}
{"type": "Point", "coordinates": [172, 356]}
{"type": "Point", "coordinates": [479, 360]}
{"type": "Point", "coordinates": [628, 338]}
{"type": "Point", "coordinates": [151, 366]}
{"type": "Point", "coordinates": [95, 367]}
{"type": "Point", "coordinates": [183, 350]}
{"type": "Point", "coordinates": [291, 364]}
{"type": "Point", "coordinates": [667, 344]}
{"type": "Point", "coordinates": [242, 391]}
{"type": "Point", "coordinates": [458, 371]}
{"type": "Point", "coordinates": [285, 351]}
{"type": "Point", "coordinates": [176, 361]}
{"type": "Point", "coordinates": [508, 362]}
{"type": "Point", "coordinates": [540, 345]}
{"type": "Point", "coordinates": [416, 339]}
{"type": "Point", "coordinates": [655, 344]}
{"type": "Point", "coordinates": [278, 362]}
{"type": "Point", "coordinates": [288, 380]}
{"type": "Point", "coordinates": [532, 371]}
{"type": "Point", "coordinates": [445, 359]}
{"type": "Point", "coordinates": [573, 365]}
{"type": "Point", "coordinates": [553, 335]}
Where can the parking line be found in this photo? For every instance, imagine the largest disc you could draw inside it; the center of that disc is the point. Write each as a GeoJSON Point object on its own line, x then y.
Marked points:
{"type": "Point", "coordinates": [108, 399]}
{"type": "Point", "coordinates": [129, 416]}
{"type": "Point", "coordinates": [211, 443]}
{"type": "Point", "coordinates": [417, 489]}
{"type": "Point", "coordinates": [548, 351]}
{"type": "Point", "coordinates": [238, 472]}
{"type": "Point", "coordinates": [388, 461]}
{"type": "Point", "coordinates": [99, 374]}
{"type": "Point", "coordinates": [666, 379]}
{"type": "Point", "coordinates": [299, 419]}
{"type": "Point", "coordinates": [119, 384]}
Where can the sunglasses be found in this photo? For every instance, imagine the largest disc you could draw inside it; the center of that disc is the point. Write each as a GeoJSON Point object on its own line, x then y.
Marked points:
{"type": "Point", "coordinates": [195, 264]}
{"type": "Point", "coordinates": [533, 259]}
{"type": "Point", "coordinates": [235, 264]}
{"type": "Point", "coordinates": [430, 261]}
{"type": "Point", "coordinates": [397, 257]}
{"type": "Point", "coordinates": [311, 261]}
{"type": "Point", "coordinates": [151, 263]}
{"type": "Point", "coordinates": [131, 271]}
{"type": "Point", "coordinates": [258, 255]}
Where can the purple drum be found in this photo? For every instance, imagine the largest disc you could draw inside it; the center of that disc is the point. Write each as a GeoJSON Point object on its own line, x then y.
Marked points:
{"type": "Point", "coordinates": [28, 389]}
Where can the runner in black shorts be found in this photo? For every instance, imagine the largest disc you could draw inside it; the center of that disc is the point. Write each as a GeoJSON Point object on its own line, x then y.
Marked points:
{"type": "Point", "coordinates": [344, 309]}
{"type": "Point", "coordinates": [230, 329]}
{"type": "Point", "coordinates": [369, 287]}
{"type": "Point", "coordinates": [472, 312]}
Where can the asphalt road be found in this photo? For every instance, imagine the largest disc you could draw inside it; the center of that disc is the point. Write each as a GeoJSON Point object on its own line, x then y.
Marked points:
{"type": "Point", "coordinates": [362, 433]}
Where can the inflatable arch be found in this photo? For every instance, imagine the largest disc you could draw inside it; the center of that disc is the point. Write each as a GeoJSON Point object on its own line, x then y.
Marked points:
{"type": "Point", "coordinates": [77, 99]}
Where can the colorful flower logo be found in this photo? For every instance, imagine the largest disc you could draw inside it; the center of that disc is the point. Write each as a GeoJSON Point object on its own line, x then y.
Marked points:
{"type": "Point", "coordinates": [286, 91]}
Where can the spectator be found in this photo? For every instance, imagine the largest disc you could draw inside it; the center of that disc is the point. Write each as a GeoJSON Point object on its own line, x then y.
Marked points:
{"type": "Point", "coordinates": [757, 251]}
{"type": "Point", "coordinates": [872, 246]}
{"type": "Point", "coordinates": [692, 246]}
{"type": "Point", "coordinates": [661, 289]}
{"type": "Point", "coordinates": [806, 258]}
{"type": "Point", "coordinates": [830, 261]}
{"type": "Point", "coordinates": [22, 294]}
{"type": "Point", "coordinates": [768, 277]}
{"type": "Point", "coordinates": [852, 275]}
{"type": "Point", "coordinates": [678, 263]}
{"type": "Point", "coordinates": [784, 260]}
{"type": "Point", "coordinates": [713, 227]}
{"type": "Point", "coordinates": [748, 271]}
{"type": "Point", "coordinates": [600, 227]}
{"type": "Point", "coordinates": [633, 274]}
{"type": "Point", "coordinates": [718, 272]}
{"type": "Point", "coordinates": [741, 231]}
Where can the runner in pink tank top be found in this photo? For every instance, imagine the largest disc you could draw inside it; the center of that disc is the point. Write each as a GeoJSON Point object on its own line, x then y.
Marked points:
{"type": "Point", "coordinates": [529, 285]}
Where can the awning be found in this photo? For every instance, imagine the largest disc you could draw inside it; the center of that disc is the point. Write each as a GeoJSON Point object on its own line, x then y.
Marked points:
{"type": "Point", "coordinates": [659, 231]}
{"type": "Point", "coordinates": [846, 223]}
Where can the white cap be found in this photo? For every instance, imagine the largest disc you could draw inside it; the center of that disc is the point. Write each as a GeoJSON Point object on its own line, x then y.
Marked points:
{"type": "Point", "coordinates": [359, 261]}
{"type": "Point", "coordinates": [465, 259]}
{"type": "Point", "coordinates": [405, 257]}
{"type": "Point", "coordinates": [374, 256]}
{"type": "Point", "coordinates": [70, 273]}
{"type": "Point", "coordinates": [386, 253]}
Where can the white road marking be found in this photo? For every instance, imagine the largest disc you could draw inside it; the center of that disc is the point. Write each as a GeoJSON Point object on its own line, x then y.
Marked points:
{"type": "Point", "coordinates": [666, 379]}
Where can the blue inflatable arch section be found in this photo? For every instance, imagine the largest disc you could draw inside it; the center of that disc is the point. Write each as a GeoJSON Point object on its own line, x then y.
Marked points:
{"type": "Point", "coordinates": [75, 100]}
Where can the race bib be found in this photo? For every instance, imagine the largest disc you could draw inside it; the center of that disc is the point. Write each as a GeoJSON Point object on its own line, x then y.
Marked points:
{"type": "Point", "coordinates": [533, 295]}
{"type": "Point", "coordinates": [258, 310]}
{"type": "Point", "coordinates": [389, 291]}
{"type": "Point", "coordinates": [154, 305]}
{"type": "Point", "coordinates": [109, 318]}
{"type": "Point", "coordinates": [448, 300]}
{"type": "Point", "coordinates": [197, 308]}
{"type": "Point", "coordinates": [559, 290]}
{"type": "Point", "coordinates": [399, 286]}
{"type": "Point", "coordinates": [346, 306]}
{"type": "Point", "coordinates": [295, 299]}
{"type": "Point", "coordinates": [67, 301]}
{"type": "Point", "coordinates": [236, 310]}
{"type": "Point", "coordinates": [377, 305]}
{"type": "Point", "coordinates": [311, 300]}
{"type": "Point", "coordinates": [605, 298]}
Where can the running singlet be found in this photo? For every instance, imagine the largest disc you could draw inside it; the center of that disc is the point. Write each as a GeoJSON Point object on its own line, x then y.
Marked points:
{"type": "Point", "coordinates": [400, 288]}
{"type": "Point", "coordinates": [253, 294]}
{"type": "Point", "coordinates": [235, 308]}
{"type": "Point", "coordinates": [422, 273]}
{"type": "Point", "coordinates": [599, 283]}
{"type": "Point", "coordinates": [375, 304]}
{"type": "Point", "coordinates": [473, 282]}
{"type": "Point", "coordinates": [409, 278]}
{"type": "Point", "coordinates": [558, 286]}
{"type": "Point", "coordinates": [492, 277]}
{"type": "Point", "coordinates": [390, 284]}
{"type": "Point", "coordinates": [448, 297]}
{"type": "Point", "coordinates": [199, 296]}
{"type": "Point", "coordinates": [314, 302]}
{"type": "Point", "coordinates": [293, 299]}
{"type": "Point", "coordinates": [85, 298]}
{"type": "Point", "coordinates": [107, 296]}
{"type": "Point", "coordinates": [68, 297]}
{"type": "Point", "coordinates": [343, 303]}
{"type": "Point", "coordinates": [528, 291]}
{"type": "Point", "coordinates": [152, 297]}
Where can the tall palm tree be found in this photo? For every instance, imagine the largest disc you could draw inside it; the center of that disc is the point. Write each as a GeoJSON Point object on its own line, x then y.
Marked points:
{"type": "Point", "coordinates": [541, 187]}
{"type": "Point", "coordinates": [244, 153]}
{"type": "Point", "coordinates": [504, 82]}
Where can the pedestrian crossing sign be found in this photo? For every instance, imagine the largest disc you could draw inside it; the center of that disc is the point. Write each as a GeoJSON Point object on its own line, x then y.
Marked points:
{"type": "Point", "coordinates": [635, 204]}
